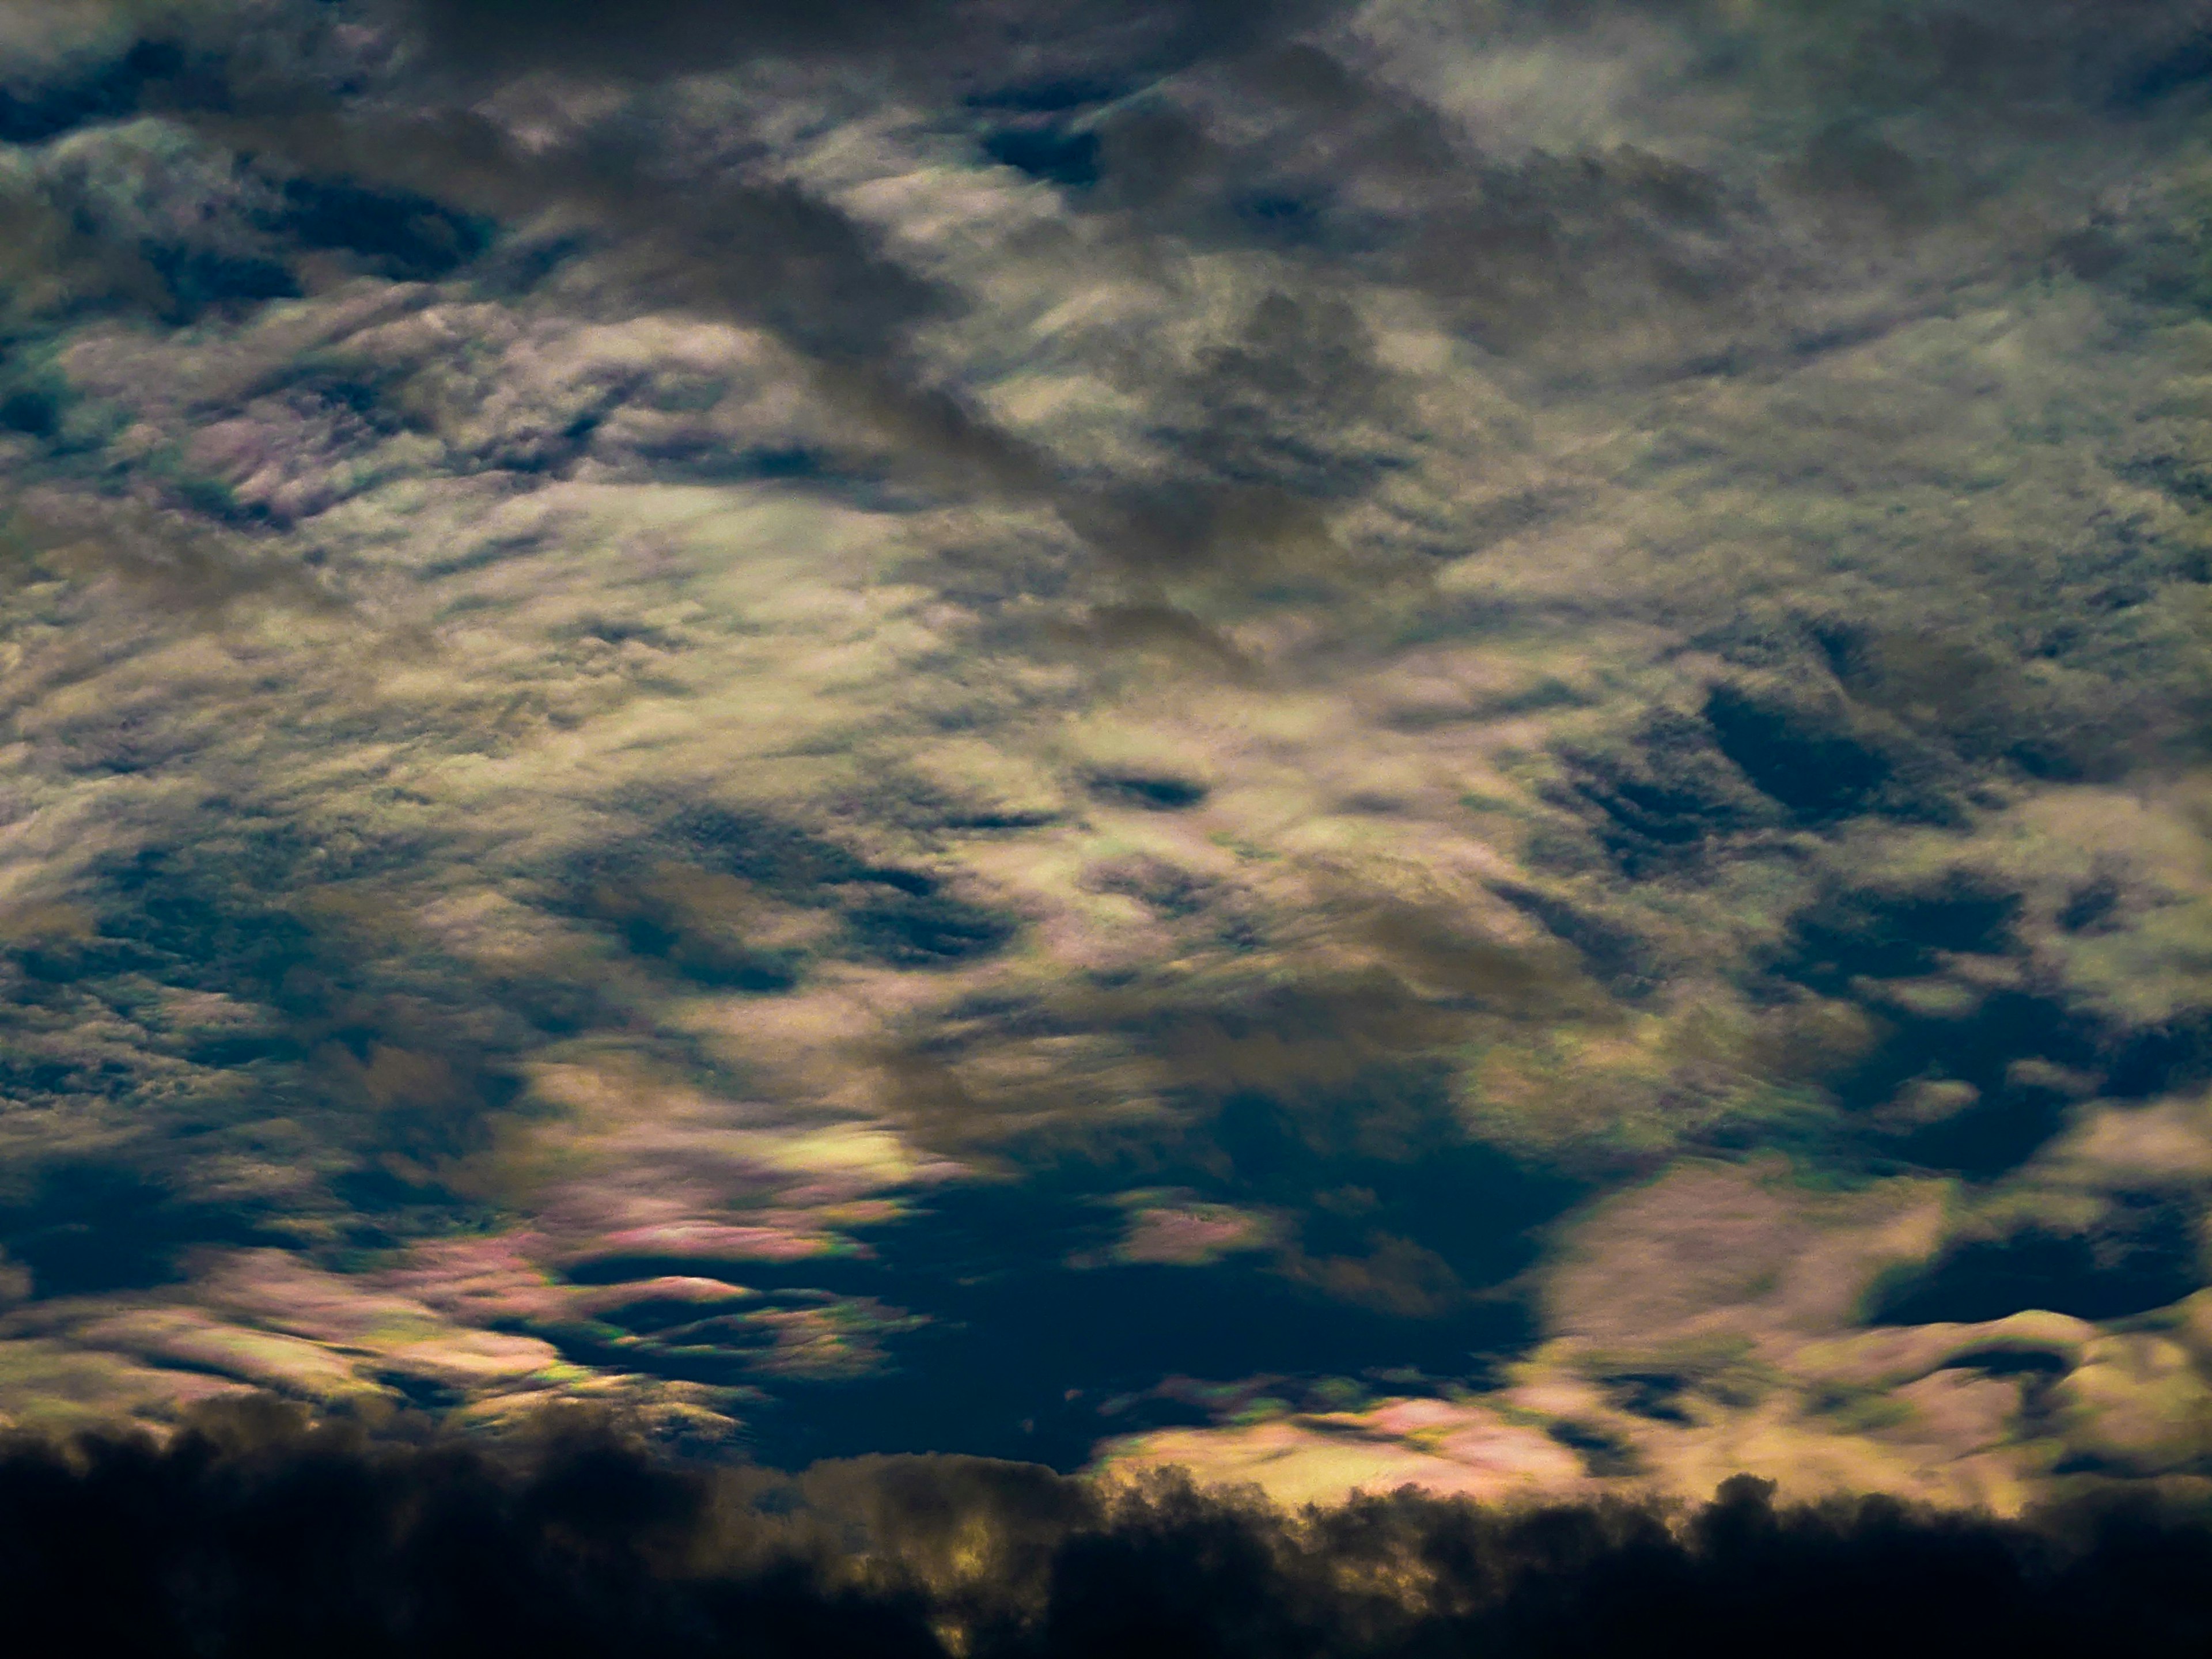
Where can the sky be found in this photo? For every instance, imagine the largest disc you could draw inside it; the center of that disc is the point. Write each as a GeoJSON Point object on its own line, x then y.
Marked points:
{"type": "Point", "coordinates": [1445, 742]}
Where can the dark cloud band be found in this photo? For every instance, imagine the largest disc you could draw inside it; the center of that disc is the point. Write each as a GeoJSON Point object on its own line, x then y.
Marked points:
{"type": "Point", "coordinates": [668, 37]}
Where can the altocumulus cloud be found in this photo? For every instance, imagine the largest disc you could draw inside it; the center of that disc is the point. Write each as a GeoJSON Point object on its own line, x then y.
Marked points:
{"type": "Point", "coordinates": [1436, 741]}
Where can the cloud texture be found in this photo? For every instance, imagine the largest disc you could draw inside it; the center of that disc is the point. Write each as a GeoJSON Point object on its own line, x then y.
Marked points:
{"type": "Point", "coordinates": [1443, 740]}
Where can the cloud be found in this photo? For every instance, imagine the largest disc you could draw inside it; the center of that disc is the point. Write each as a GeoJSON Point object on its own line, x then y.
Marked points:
{"type": "Point", "coordinates": [734, 644]}
{"type": "Point", "coordinates": [660, 38]}
{"type": "Point", "coordinates": [1016, 38]}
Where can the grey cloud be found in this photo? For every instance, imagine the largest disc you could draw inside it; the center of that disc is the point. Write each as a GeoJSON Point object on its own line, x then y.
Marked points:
{"type": "Point", "coordinates": [1281, 403]}
{"type": "Point", "coordinates": [989, 44]}
{"type": "Point", "coordinates": [1297, 152]}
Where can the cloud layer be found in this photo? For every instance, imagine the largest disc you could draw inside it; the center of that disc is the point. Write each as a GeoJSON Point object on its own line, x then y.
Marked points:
{"type": "Point", "coordinates": [1191, 733]}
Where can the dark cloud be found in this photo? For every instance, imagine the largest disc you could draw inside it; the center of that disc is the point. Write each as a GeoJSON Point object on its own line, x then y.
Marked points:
{"type": "Point", "coordinates": [420, 198]}
{"type": "Point", "coordinates": [1282, 405]}
{"type": "Point", "coordinates": [171, 564]}
{"type": "Point", "coordinates": [249, 1533]}
{"type": "Point", "coordinates": [763, 252]}
{"type": "Point", "coordinates": [658, 38]}
{"type": "Point", "coordinates": [1242, 495]}
{"type": "Point", "coordinates": [1294, 150]}
{"type": "Point", "coordinates": [1017, 50]}
{"type": "Point", "coordinates": [665, 908]}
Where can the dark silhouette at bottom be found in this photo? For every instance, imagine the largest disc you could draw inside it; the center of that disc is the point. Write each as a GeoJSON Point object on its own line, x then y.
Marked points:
{"type": "Point", "coordinates": [252, 1533]}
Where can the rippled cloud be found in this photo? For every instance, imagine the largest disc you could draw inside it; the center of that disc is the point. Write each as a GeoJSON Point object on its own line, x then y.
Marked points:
{"type": "Point", "coordinates": [1208, 733]}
